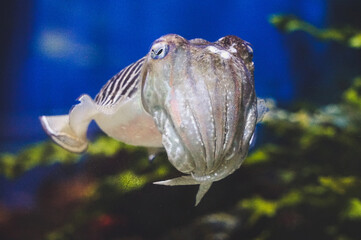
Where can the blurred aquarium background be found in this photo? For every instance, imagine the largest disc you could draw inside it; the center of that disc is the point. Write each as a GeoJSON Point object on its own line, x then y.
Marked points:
{"type": "Point", "coordinates": [302, 179]}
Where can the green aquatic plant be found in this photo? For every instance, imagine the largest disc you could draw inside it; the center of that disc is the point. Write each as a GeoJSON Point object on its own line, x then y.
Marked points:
{"type": "Point", "coordinates": [40, 154]}
{"type": "Point", "coordinates": [315, 167]}
{"type": "Point", "coordinates": [289, 23]}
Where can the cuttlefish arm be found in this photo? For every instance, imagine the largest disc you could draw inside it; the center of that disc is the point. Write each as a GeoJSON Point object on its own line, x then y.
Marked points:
{"type": "Point", "coordinates": [188, 180]}
{"type": "Point", "coordinates": [202, 98]}
{"type": "Point", "coordinates": [117, 110]}
{"type": "Point", "coordinates": [262, 109]}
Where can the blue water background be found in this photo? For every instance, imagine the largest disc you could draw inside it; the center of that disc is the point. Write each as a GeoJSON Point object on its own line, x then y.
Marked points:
{"type": "Point", "coordinates": [54, 51]}
{"type": "Point", "coordinates": [61, 49]}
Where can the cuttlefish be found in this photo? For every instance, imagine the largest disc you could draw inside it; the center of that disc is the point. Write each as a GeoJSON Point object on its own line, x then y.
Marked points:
{"type": "Point", "coordinates": [193, 97]}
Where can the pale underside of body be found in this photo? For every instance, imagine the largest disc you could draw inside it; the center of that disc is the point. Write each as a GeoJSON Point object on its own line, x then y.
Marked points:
{"type": "Point", "coordinates": [194, 98]}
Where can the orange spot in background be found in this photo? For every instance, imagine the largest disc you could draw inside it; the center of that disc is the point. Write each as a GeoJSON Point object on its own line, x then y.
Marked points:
{"type": "Point", "coordinates": [105, 220]}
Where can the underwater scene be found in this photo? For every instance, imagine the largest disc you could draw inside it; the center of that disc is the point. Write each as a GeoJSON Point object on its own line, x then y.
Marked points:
{"type": "Point", "coordinates": [197, 120]}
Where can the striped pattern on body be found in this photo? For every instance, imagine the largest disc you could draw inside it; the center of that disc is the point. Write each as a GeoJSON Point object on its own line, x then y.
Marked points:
{"type": "Point", "coordinates": [123, 84]}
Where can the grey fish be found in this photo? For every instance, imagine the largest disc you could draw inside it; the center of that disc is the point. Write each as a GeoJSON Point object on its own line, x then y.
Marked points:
{"type": "Point", "coordinates": [194, 98]}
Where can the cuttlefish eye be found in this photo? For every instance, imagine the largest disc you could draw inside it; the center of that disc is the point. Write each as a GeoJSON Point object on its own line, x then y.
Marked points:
{"type": "Point", "coordinates": [159, 50]}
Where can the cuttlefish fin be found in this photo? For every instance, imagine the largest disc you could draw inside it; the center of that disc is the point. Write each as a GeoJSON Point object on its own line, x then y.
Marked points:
{"type": "Point", "coordinates": [69, 131]}
{"type": "Point", "coordinates": [188, 180]}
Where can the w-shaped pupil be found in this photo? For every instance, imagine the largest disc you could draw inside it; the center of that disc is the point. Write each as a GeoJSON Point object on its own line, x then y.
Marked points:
{"type": "Point", "coordinates": [159, 51]}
